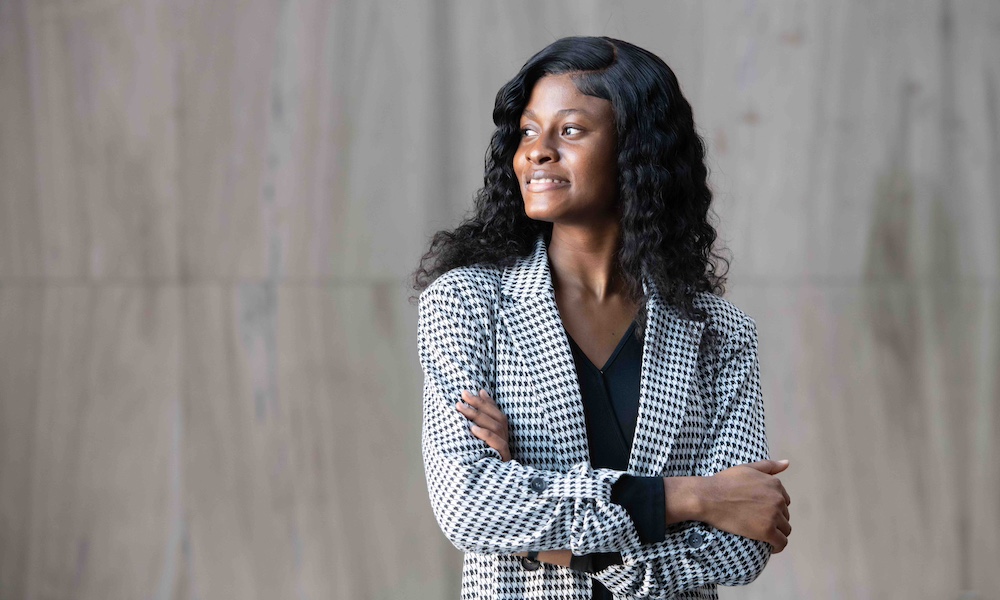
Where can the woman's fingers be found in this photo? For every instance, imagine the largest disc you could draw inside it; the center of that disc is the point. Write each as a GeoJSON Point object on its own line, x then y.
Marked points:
{"type": "Point", "coordinates": [483, 411]}
{"type": "Point", "coordinates": [484, 403]}
{"type": "Point", "coordinates": [778, 541]}
{"type": "Point", "coordinates": [781, 531]}
{"type": "Point", "coordinates": [479, 417]}
{"type": "Point", "coordinates": [489, 424]}
{"type": "Point", "coordinates": [493, 441]}
{"type": "Point", "coordinates": [771, 467]}
{"type": "Point", "coordinates": [778, 535]}
{"type": "Point", "coordinates": [785, 527]}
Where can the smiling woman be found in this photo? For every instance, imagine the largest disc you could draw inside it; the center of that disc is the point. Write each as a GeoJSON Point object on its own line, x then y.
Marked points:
{"type": "Point", "coordinates": [590, 244]}
{"type": "Point", "coordinates": [566, 156]}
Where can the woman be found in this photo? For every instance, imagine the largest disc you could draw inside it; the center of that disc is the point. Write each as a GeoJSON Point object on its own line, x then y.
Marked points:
{"type": "Point", "coordinates": [646, 477]}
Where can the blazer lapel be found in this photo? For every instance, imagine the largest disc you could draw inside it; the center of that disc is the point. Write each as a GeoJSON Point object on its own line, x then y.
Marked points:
{"type": "Point", "coordinates": [669, 363]}
{"type": "Point", "coordinates": [529, 310]}
{"type": "Point", "coordinates": [669, 359]}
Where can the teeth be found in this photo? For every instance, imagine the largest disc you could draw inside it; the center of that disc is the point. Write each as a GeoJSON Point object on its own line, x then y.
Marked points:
{"type": "Point", "coordinates": [546, 181]}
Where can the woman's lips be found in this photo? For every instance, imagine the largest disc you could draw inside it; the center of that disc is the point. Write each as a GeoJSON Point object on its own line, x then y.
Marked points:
{"type": "Point", "coordinates": [545, 185]}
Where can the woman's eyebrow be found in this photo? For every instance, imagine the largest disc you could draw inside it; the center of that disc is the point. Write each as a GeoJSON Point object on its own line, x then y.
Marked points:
{"type": "Point", "coordinates": [565, 111]}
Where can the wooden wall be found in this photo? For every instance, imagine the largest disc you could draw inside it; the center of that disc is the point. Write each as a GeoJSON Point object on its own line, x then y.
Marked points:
{"type": "Point", "coordinates": [208, 377]}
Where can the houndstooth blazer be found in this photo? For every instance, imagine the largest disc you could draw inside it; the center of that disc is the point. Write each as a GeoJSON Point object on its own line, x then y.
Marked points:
{"type": "Point", "coordinates": [700, 412]}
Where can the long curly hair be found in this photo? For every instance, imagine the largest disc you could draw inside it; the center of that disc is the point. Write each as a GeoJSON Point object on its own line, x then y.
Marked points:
{"type": "Point", "coordinates": [665, 199]}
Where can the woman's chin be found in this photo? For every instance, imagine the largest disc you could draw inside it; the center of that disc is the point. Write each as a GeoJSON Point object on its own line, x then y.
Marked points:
{"type": "Point", "coordinates": [539, 213]}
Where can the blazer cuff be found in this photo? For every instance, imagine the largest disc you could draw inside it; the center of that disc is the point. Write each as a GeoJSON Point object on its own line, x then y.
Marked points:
{"type": "Point", "coordinates": [592, 563]}
{"type": "Point", "coordinates": [644, 500]}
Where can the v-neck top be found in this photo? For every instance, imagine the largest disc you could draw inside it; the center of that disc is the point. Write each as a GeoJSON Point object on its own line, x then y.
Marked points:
{"type": "Point", "coordinates": [611, 400]}
{"type": "Point", "coordinates": [610, 395]}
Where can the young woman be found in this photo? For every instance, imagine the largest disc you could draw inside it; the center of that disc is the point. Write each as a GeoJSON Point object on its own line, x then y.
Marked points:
{"type": "Point", "coordinates": [592, 418]}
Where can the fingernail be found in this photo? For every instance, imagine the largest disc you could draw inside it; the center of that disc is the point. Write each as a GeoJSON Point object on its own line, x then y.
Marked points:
{"type": "Point", "coordinates": [783, 461]}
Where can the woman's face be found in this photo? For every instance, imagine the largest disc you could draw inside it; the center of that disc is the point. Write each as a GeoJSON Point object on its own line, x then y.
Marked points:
{"type": "Point", "coordinates": [566, 160]}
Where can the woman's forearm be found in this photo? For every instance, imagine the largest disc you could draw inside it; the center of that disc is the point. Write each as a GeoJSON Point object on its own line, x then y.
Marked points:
{"type": "Point", "coordinates": [684, 498]}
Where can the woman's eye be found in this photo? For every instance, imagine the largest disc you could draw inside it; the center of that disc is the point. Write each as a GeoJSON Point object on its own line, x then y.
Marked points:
{"type": "Point", "coordinates": [568, 130]}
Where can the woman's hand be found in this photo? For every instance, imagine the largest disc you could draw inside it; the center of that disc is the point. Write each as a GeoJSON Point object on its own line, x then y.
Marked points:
{"type": "Point", "coordinates": [489, 424]}
{"type": "Point", "coordinates": [749, 500]}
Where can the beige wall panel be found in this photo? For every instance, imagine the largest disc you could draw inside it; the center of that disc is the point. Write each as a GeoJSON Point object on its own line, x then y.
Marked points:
{"type": "Point", "coordinates": [20, 244]}
{"type": "Point", "coordinates": [385, 150]}
{"type": "Point", "coordinates": [346, 377]}
{"type": "Point", "coordinates": [237, 486]}
{"type": "Point", "coordinates": [308, 136]}
{"type": "Point", "coordinates": [303, 466]}
{"type": "Point", "coordinates": [20, 351]}
{"type": "Point", "coordinates": [104, 509]}
{"type": "Point", "coordinates": [102, 91]}
{"type": "Point", "coordinates": [982, 437]}
{"type": "Point", "coordinates": [224, 53]}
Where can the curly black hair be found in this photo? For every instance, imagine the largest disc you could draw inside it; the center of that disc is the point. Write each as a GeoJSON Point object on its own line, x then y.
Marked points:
{"type": "Point", "coordinates": [663, 190]}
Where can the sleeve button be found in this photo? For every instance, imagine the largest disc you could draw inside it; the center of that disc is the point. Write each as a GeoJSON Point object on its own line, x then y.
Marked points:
{"type": "Point", "coordinates": [695, 539]}
{"type": "Point", "coordinates": [537, 484]}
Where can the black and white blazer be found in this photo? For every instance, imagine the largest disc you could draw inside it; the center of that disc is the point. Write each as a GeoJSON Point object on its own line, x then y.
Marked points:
{"type": "Point", "coordinates": [700, 412]}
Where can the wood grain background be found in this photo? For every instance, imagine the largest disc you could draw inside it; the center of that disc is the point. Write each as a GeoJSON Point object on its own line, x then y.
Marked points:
{"type": "Point", "coordinates": [208, 377]}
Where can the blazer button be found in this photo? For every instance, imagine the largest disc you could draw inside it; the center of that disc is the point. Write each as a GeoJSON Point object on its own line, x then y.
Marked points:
{"type": "Point", "coordinates": [695, 539]}
{"type": "Point", "coordinates": [530, 565]}
{"type": "Point", "coordinates": [537, 484]}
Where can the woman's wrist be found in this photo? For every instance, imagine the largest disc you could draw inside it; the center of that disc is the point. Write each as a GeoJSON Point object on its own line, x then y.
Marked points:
{"type": "Point", "coordinates": [684, 498]}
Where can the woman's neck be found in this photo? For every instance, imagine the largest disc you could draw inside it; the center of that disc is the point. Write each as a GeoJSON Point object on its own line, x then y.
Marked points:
{"type": "Point", "coordinates": [584, 259]}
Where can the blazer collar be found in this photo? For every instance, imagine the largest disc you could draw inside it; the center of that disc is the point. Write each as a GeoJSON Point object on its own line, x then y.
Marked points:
{"type": "Point", "coordinates": [669, 360]}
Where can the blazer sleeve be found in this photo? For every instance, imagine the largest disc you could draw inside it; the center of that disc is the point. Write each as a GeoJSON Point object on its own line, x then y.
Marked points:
{"type": "Point", "coordinates": [695, 554]}
{"type": "Point", "coordinates": [481, 503]}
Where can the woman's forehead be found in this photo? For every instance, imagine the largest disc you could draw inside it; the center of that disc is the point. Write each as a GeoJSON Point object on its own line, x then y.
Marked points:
{"type": "Point", "coordinates": [554, 96]}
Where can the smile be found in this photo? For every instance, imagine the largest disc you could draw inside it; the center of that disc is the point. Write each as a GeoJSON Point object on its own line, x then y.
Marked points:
{"type": "Point", "coordinates": [544, 184]}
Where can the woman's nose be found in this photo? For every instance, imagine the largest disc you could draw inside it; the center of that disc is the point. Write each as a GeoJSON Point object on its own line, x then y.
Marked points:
{"type": "Point", "coordinates": [541, 151]}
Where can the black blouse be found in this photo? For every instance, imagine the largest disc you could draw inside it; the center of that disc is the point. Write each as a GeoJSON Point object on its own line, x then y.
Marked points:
{"type": "Point", "coordinates": [611, 406]}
